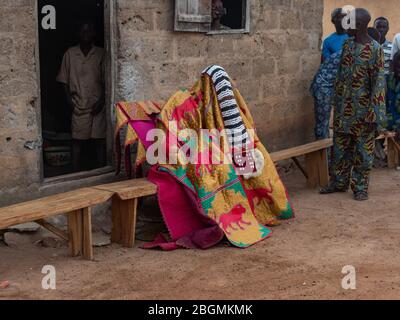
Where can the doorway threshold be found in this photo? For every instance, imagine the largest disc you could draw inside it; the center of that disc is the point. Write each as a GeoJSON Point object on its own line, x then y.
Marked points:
{"type": "Point", "coordinates": [79, 175]}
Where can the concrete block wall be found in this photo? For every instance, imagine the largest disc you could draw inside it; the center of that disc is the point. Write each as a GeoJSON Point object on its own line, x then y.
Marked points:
{"type": "Point", "coordinates": [20, 153]}
{"type": "Point", "coordinates": [273, 65]}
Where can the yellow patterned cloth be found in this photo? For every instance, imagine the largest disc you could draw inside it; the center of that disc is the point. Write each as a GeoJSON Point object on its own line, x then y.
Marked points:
{"type": "Point", "coordinates": [242, 208]}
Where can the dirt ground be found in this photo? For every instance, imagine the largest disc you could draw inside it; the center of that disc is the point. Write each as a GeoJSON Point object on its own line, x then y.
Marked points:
{"type": "Point", "coordinates": [302, 260]}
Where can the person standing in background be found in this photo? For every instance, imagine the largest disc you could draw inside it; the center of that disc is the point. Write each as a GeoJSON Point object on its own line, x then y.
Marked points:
{"type": "Point", "coordinates": [82, 75]}
{"type": "Point", "coordinates": [359, 107]}
{"type": "Point", "coordinates": [322, 90]}
{"type": "Point", "coordinates": [334, 42]}
{"type": "Point", "coordinates": [382, 25]}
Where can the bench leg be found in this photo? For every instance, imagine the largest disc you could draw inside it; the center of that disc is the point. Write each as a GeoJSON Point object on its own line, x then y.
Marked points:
{"type": "Point", "coordinates": [392, 154]}
{"type": "Point", "coordinates": [80, 233]}
{"type": "Point", "coordinates": [317, 169]}
{"type": "Point", "coordinates": [87, 233]}
{"type": "Point", "coordinates": [75, 233]}
{"type": "Point", "coordinates": [124, 221]}
{"type": "Point", "coordinates": [116, 231]}
{"type": "Point", "coordinates": [130, 208]}
{"type": "Point", "coordinates": [323, 168]}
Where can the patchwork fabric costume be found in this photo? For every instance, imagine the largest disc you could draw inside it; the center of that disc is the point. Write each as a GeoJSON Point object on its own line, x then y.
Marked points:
{"type": "Point", "coordinates": [359, 106]}
{"type": "Point", "coordinates": [202, 202]}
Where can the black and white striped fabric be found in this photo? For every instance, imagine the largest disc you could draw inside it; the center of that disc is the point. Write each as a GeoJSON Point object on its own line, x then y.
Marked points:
{"type": "Point", "coordinates": [236, 131]}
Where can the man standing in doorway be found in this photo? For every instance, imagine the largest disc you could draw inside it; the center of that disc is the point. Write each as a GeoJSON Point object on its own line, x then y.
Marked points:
{"type": "Point", "coordinates": [359, 108]}
{"type": "Point", "coordinates": [82, 75]}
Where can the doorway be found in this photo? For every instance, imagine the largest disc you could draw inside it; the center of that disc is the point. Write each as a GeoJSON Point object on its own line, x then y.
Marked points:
{"type": "Point", "coordinates": [55, 112]}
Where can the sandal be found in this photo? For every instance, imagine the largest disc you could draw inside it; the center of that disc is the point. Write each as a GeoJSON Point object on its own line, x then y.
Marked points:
{"type": "Point", "coordinates": [361, 196]}
{"type": "Point", "coordinates": [331, 188]}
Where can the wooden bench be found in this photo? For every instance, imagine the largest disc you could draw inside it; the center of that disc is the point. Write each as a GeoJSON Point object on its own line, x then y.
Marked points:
{"type": "Point", "coordinates": [124, 207]}
{"type": "Point", "coordinates": [76, 204]}
{"type": "Point", "coordinates": [316, 171]}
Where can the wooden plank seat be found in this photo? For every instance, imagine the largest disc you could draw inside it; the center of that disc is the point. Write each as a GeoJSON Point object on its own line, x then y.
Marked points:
{"type": "Point", "coordinates": [124, 207]}
{"type": "Point", "coordinates": [316, 171]}
{"type": "Point", "coordinates": [76, 204]}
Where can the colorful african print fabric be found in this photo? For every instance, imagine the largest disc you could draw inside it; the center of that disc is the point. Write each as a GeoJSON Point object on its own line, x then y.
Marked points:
{"type": "Point", "coordinates": [360, 88]}
{"type": "Point", "coordinates": [195, 198]}
{"type": "Point", "coordinates": [353, 159]}
{"type": "Point", "coordinates": [242, 208]}
{"type": "Point", "coordinates": [322, 89]}
{"type": "Point", "coordinates": [393, 103]}
{"type": "Point", "coordinates": [359, 104]}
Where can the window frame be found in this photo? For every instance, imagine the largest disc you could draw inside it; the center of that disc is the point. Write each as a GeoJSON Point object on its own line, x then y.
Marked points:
{"type": "Point", "coordinates": [178, 27]}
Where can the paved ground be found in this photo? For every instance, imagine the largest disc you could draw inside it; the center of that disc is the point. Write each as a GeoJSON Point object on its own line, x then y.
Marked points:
{"type": "Point", "coordinates": [302, 260]}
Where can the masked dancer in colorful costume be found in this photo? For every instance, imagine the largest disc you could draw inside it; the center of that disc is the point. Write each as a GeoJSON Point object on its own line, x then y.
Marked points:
{"type": "Point", "coordinates": [205, 200]}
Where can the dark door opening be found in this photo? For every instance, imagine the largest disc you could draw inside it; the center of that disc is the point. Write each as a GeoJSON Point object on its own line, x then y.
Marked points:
{"type": "Point", "coordinates": [236, 14]}
{"type": "Point", "coordinates": [55, 111]}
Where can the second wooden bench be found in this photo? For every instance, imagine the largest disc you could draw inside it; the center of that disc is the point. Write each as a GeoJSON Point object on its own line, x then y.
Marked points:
{"type": "Point", "coordinates": [316, 156]}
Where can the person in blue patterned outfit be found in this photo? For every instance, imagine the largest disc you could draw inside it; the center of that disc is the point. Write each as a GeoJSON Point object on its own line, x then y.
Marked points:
{"type": "Point", "coordinates": [334, 42]}
{"type": "Point", "coordinates": [322, 89]}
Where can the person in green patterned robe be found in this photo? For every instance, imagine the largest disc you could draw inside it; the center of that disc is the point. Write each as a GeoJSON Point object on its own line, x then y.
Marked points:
{"type": "Point", "coordinates": [359, 110]}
